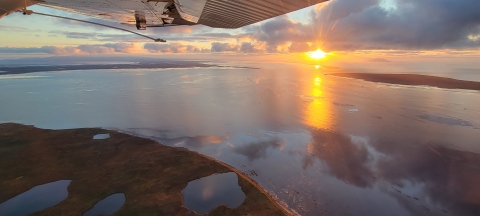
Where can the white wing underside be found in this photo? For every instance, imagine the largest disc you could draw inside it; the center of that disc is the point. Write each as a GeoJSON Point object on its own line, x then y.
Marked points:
{"type": "Point", "coordinates": [120, 11]}
{"type": "Point", "coordinates": [213, 13]}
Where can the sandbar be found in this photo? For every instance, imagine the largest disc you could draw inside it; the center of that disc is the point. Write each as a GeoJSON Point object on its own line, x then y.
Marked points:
{"type": "Point", "coordinates": [414, 79]}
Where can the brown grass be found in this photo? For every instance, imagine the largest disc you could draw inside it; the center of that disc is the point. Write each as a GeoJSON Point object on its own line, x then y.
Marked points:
{"type": "Point", "coordinates": [149, 174]}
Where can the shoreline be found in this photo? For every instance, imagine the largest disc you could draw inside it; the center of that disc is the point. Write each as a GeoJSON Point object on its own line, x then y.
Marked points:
{"type": "Point", "coordinates": [150, 174]}
{"type": "Point", "coordinates": [233, 169]}
{"type": "Point", "coordinates": [238, 172]}
{"type": "Point", "coordinates": [413, 80]}
{"type": "Point", "coordinates": [140, 65]}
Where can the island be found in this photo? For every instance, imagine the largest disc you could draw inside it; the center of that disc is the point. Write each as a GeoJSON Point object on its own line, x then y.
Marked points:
{"type": "Point", "coordinates": [151, 175]}
{"type": "Point", "coordinates": [160, 64]}
{"type": "Point", "coordinates": [414, 79]}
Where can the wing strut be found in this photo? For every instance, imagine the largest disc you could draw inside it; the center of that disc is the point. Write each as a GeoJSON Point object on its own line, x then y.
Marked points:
{"type": "Point", "coordinates": [29, 12]}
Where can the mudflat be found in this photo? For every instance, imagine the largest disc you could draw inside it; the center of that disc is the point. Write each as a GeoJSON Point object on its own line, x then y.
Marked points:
{"type": "Point", "coordinates": [150, 175]}
{"type": "Point", "coordinates": [414, 79]}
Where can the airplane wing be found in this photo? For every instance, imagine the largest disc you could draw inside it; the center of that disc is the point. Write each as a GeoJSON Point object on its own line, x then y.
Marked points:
{"type": "Point", "coordinates": [239, 13]}
{"type": "Point", "coordinates": [159, 13]}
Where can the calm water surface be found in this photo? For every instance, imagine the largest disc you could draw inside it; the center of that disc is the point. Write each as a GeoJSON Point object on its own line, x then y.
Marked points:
{"type": "Point", "coordinates": [36, 199]}
{"type": "Point", "coordinates": [318, 144]}
{"type": "Point", "coordinates": [205, 194]}
{"type": "Point", "coordinates": [107, 206]}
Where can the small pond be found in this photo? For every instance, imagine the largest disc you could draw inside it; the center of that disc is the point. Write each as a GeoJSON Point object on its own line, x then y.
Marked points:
{"type": "Point", "coordinates": [101, 136]}
{"type": "Point", "coordinates": [36, 199]}
{"type": "Point", "coordinates": [205, 194]}
{"type": "Point", "coordinates": [107, 206]}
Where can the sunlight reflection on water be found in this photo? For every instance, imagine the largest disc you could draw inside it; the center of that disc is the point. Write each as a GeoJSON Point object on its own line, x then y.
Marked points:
{"type": "Point", "coordinates": [316, 142]}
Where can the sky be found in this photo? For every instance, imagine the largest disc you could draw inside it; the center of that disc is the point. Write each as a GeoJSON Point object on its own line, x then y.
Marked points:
{"type": "Point", "coordinates": [446, 28]}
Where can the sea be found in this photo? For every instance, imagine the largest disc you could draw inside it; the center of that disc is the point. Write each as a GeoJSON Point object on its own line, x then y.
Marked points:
{"type": "Point", "coordinates": [318, 144]}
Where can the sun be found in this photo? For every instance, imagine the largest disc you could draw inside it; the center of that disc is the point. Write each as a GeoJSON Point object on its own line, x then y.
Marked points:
{"type": "Point", "coordinates": [317, 54]}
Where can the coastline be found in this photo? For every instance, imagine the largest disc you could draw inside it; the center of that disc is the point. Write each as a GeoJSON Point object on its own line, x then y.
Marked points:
{"type": "Point", "coordinates": [150, 174]}
{"type": "Point", "coordinates": [142, 65]}
{"type": "Point", "coordinates": [413, 80]}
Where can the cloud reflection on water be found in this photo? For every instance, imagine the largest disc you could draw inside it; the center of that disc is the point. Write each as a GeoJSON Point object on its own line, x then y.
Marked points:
{"type": "Point", "coordinates": [345, 160]}
{"type": "Point", "coordinates": [257, 150]}
{"type": "Point", "coordinates": [197, 142]}
{"type": "Point", "coordinates": [290, 125]}
{"type": "Point", "coordinates": [426, 174]}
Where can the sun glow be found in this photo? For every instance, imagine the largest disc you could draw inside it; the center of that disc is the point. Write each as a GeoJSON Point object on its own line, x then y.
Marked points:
{"type": "Point", "coordinates": [319, 109]}
{"type": "Point", "coordinates": [317, 54]}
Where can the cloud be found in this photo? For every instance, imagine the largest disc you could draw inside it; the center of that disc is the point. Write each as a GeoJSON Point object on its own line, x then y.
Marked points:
{"type": "Point", "coordinates": [406, 24]}
{"type": "Point", "coordinates": [337, 25]}
{"type": "Point", "coordinates": [69, 50]}
{"type": "Point", "coordinates": [280, 31]}
{"type": "Point", "coordinates": [12, 28]}
{"type": "Point", "coordinates": [97, 36]}
{"type": "Point", "coordinates": [76, 35]}
{"type": "Point", "coordinates": [215, 35]}
{"type": "Point", "coordinates": [343, 25]}
{"type": "Point", "coordinates": [172, 48]}
{"type": "Point", "coordinates": [247, 47]}
{"type": "Point", "coordinates": [299, 47]}
{"type": "Point", "coordinates": [44, 49]}
{"type": "Point", "coordinates": [95, 49]}
{"type": "Point", "coordinates": [224, 47]}
{"type": "Point", "coordinates": [122, 47]}
{"type": "Point", "coordinates": [99, 32]}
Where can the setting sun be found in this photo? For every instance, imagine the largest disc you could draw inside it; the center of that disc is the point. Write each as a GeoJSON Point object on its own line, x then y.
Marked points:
{"type": "Point", "coordinates": [317, 54]}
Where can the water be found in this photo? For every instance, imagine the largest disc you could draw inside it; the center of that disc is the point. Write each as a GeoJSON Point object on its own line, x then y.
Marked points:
{"type": "Point", "coordinates": [318, 144]}
{"type": "Point", "coordinates": [101, 136]}
{"type": "Point", "coordinates": [36, 199]}
{"type": "Point", "coordinates": [205, 194]}
{"type": "Point", "coordinates": [107, 206]}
